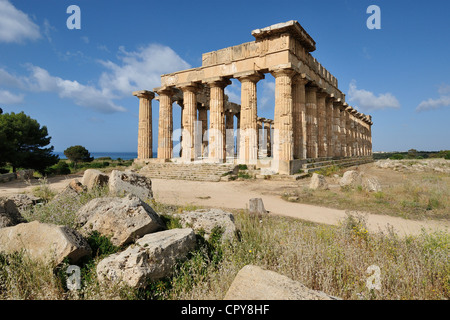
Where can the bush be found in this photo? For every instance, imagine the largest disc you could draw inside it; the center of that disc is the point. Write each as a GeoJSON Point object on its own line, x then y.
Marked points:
{"type": "Point", "coordinates": [447, 155]}
{"type": "Point", "coordinates": [61, 167]}
{"type": "Point", "coordinates": [397, 157]}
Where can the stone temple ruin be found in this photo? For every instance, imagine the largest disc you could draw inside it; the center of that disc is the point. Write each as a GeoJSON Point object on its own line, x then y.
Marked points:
{"type": "Point", "coordinates": [311, 118]}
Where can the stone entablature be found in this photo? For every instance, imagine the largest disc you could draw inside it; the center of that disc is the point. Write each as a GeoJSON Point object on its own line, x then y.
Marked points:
{"type": "Point", "coordinates": [311, 117]}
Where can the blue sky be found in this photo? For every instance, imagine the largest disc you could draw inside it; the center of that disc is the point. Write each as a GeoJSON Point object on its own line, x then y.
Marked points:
{"type": "Point", "coordinates": [79, 82]}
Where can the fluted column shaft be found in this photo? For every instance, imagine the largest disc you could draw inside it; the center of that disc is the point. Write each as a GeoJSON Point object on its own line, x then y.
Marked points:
{"type": "Point", "coordinates": [337, 129]}
{"type": "Point", "coordinates": [329, 108]}
{"type": "Point", "coordinates": [229, 128]}
{"type": "Point", "coordinates": [217, 138]}
{"type": "Point", "coordinates": [299, 117]}
{"type": "Point", "coordinates": [165, 126]}
{"type": "Point", "coordinates": [248, 152]}
{"type": "Point", "coordinates": [284, 136]}
{"type": "Point", "coordinates": [322, 125]}
{"type": "Point", "coordinates": [145, 148]}
{"type": "Point", "coordinates": [203, 118]}
{"type": "Point", "coordinates": [311, 122]}
{"type": "Point", "coordinates": [189, 117]}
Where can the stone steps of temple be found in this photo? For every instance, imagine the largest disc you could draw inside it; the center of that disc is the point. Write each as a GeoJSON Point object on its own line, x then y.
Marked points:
{"type": "Point", "coordinates": [347, 162]}
{"type": "Point", "coordinates": [195, 172]}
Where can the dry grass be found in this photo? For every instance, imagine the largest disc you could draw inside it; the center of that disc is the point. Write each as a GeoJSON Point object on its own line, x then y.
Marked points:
{"type": "Point", "coordinates": [333, 259]}
{"type": "Point", "coordinates": [415, 196]}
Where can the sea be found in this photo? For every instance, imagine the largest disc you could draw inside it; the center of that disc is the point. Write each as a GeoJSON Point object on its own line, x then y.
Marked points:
{"type": "Point", "coordinates": [112, 155]}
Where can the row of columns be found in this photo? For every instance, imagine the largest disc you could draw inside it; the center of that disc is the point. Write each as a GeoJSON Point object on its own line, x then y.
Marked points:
{"type": "Point", "coordinates": [308, 122]}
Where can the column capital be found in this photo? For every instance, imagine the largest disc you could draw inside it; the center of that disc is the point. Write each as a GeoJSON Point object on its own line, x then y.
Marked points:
{"type": "Point", "coordinates": [283, 72]}
{"type": "Point", "coordinates": [166, 91]}
{"type": "Point", "coordinates": [144, 94]}
{"type": "Point", "coordinates": [253, 76]}
{"type": "Point", "coordinates": [215, 82]}
{"type": "Point", "coordinates": [193, 87]}
{"type": "Point", "coordinates": [312, 88]}
{"type": "Point", "coordinates": [300, 78]}
{"type": "Point", "coordinates": [321, 93]}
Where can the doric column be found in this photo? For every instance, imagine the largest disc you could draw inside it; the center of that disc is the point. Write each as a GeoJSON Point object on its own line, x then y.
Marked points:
{"type": "Point", "coordinates": [217, 137]}
{"type": "Point", "coordinates": [165, 125]}
{"type": "Point", "coordinates": [349, 133]}
{"type": "Point", "coordinates": [203, 119]}
{"type": "Point", "coordinates": [329, 114]}
{"type": "Point", "coordinates": [238, 135]}
{"type": "Point", "coordinates": [311, 122]}
{"type": "Point", "coordinates": [283, 149]}
{"type": "Point", "coordinates": [267, 137]}
{"type": "Point", "coordinates": [229, 128]}
{"type": "Point", "coordinates": [248, 141]}
{"type": "Point", "coordinates": [189, 118]}
{"type": "Point", "coordinates": [145, 149]}
{"type": "Point", "coordinates": [337, 128]}
{"type": "Point", "coordinates": [299, 117]}
{"type": "Point", "coordinates": [347, 139]}
{"type": "Point", "coordinates": [259, 135]}
{"type": "Point", "coordinates": [322, 124]}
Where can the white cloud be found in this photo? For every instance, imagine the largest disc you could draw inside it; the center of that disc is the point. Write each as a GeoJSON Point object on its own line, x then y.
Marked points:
{"type": "Point", "coordinates": [433, 104]}
{"type": "Point", "coordinates": [86, 96]}
{"type": "Point", "coordinates": [141, 69]}
{"type": "Point", "coordinates": [367, 101]}
{"type": "Point", "coordinates": [267, 99]}
{"type": "Point", "coordinates": [7, 97]}
{"type": "Point", "coordinates": [15, 25]}
{"type": "Point", "coordinates": [137, 70]}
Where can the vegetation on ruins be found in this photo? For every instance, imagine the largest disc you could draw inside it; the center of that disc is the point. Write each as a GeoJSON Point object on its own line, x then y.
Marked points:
{"type": "Point", "coordinates": [333, 259]}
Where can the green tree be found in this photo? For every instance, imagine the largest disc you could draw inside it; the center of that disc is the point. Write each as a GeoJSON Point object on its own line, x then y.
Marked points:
{"type": "Point", "coordinates": [23, 142]}
{"type": "Point", "coordinates": [78, 154]}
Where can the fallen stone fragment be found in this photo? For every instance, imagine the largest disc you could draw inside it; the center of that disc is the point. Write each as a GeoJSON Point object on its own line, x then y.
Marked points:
{"type": "Point", "coordinates": [123, 219]}
{"type": "Point", "coordinates": [46, 242]}
{"type": "Point", "coordinates": [94, 178]}
{"type": "Point", "coordinates": [121, 183]}
{"type": "Point", "coordinates": [9, 214]}
{"type": "Point", "coordinates": [256, 207]}
{"type": "Point", "coordinates": [207, 220]}
{"type": "Point", "coordinates": [255, 283]}
{"type": "Point", "coordinates": [318, 182]}
{"type": "Point", "coordinates": [152, 257]}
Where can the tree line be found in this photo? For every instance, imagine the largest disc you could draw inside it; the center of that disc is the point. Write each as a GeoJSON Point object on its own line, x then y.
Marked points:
{"type": "Point", "coordinates": [24, 143]}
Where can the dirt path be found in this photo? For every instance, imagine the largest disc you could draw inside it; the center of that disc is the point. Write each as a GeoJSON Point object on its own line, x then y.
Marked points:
{"type": "Point", "coordinates": [236, 194]}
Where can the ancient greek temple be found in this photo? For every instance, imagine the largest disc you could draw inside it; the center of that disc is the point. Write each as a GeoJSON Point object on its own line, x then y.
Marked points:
{"type": "Point", "coordinates": [311, 118]}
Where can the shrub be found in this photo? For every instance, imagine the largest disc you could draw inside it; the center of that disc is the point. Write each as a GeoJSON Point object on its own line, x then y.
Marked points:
{"type": "Point", "coordinates": [397, 156]}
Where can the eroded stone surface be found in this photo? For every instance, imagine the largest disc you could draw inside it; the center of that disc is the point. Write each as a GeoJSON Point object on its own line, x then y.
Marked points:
{"type": "Point", "coordinates": [123, 219]}
{"type": "Point", "coordinates": [152, 257]}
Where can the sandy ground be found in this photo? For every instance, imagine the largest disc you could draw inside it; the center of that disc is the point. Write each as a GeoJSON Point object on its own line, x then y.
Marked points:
{"type": "Point", "coordinates": [236, 195]}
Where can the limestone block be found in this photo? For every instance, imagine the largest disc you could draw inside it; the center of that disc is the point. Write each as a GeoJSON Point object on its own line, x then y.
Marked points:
{"type": "Point", "coordinates": [371, 184]}
{"type": "Point", "coordinates": [152, 257]}
{"type": "Point", "coordinates": [9, 214]}
{"type": "Point", "coordinates": [207, 220]}
{"type": "Point", "coordinates": [72, 190]}
{"type": "Point", "coordinates": [94, 178]}
{"type": "Point", "coordinates": [350, 178]}
{"type": "Point", "coordinates": [255, 283]}
{"type": "Point", "coordinates": [45, 242]}
{"type": "Point", "coordinates": [318, 182]}
{"type": "Point", "coordinates": [24, 200]}
{"type": "Point", "coordinates": [256, 206]}
{"type": "Point", "coordinates": [122, 219]}
{"type": "Point", "coordinates": [121, 182]}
